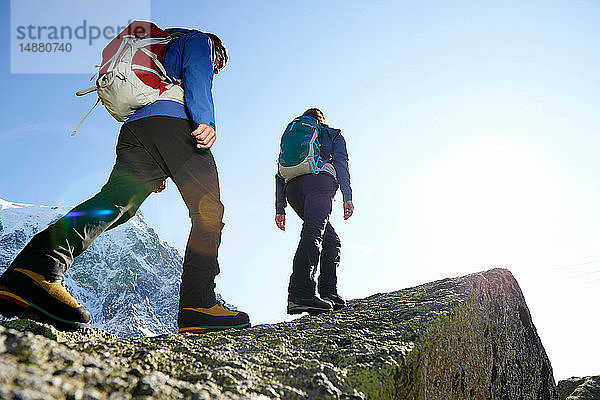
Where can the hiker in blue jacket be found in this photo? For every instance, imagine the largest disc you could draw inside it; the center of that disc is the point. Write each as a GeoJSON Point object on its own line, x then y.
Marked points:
{"type": "Point", "coordinates": [311, 196]}
{"type": "Point", "coordinates": [164, 139]}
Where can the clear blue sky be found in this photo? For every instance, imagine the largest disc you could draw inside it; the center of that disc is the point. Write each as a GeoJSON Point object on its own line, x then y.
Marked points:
{"type": "Point", "coordinates": [472, 129]}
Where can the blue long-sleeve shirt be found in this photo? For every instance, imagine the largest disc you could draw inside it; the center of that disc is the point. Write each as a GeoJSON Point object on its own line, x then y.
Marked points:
{"type": "Point", "coordinates": [333, 148]}
{"type": "Point", "coordinates": [189, 59]}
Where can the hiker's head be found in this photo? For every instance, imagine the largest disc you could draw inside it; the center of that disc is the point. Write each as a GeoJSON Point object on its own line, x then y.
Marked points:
{"type": "Point", "coordinates": [316, 114]}
{"type": "Point", "coordinates": [220, 56]}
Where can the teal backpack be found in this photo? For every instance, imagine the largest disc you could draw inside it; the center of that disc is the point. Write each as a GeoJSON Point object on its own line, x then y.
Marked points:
{"type": "Point", "coordinates": [300, 149]}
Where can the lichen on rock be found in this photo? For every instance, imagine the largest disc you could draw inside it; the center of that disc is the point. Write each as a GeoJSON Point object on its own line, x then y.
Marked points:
{"type": "Point", "coordinates": [464, 338]}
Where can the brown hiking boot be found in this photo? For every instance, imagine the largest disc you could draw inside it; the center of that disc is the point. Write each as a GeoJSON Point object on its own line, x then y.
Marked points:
{"type": "Point", "coordinates": [27, 294]}
{"type": "Point", "coordinates": [212, 319]}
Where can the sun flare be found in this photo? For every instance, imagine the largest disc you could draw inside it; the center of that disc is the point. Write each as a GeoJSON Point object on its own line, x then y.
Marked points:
{"type": "Point", "coordinates": [489, 203]}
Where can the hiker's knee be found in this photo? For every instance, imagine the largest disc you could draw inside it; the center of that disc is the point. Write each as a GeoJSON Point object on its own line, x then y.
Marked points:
{"type": "Point", "coordinates": [331, 240]}
{"type": "Point", "coordinates": [116, 206]}
{"type": "Point", "coordinates": [312, 232]}
{"type": "Point", "coordinates": [208, 213]}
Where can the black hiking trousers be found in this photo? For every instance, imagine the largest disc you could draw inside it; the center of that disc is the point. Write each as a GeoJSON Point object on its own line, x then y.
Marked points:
{"type": "Point", "coordinates": [311, 197]}
{"type": "Point", "coordinates": [149, 150]}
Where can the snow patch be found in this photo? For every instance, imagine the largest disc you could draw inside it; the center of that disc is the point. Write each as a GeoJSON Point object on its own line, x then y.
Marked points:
{"type": "Point", "coordinates": [7, 204]}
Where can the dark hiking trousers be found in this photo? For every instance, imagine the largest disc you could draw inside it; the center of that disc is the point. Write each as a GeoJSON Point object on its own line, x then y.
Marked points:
{"type": "Point", "coordinates": [148, 151]}
{"type": "Point", "coordinates": [311, 198]}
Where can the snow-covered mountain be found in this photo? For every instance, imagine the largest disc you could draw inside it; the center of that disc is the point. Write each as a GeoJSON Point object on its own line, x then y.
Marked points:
{"type": "Point", "coordinates": [128, 278]}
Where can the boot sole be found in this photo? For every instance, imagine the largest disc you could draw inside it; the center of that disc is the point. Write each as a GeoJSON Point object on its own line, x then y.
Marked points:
{"type": "Point", "coordinates": [312, 311]}
{"type": "Point", "coordinates": [12, 305]}
{"type": "Point", "coordinates": [337, 306]}
{"type": "Point", "coordinates": [208, 329]}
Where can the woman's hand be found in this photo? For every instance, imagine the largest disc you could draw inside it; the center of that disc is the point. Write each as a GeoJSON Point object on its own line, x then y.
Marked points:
{"type": "Point", "coordinates": [348, 209]}
{"type": "Point", "coordinates": [280, 221]}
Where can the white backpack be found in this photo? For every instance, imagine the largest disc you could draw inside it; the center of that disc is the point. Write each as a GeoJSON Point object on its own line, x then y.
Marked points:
{"type": "Point", "coordinates": [131, 73]}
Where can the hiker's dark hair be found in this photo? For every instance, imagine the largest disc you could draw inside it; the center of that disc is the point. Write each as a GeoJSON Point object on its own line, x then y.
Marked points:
{"type": "Point", "coordinates": [219, 54]}
{"type": "Point", "coordinates": [316, 114]}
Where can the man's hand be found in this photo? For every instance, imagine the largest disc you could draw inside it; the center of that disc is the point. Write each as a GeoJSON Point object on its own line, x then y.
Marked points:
{"type": "Point", "coordinates": [280, 221]}
{"type": "Point", "coordinates": [205, 136]}
{"type": "Point", "coordinates": [348, 209]}
{"type": "Point", "coordinates": [161, 187]}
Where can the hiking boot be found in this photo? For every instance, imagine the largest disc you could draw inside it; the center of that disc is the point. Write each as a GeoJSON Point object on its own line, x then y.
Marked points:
{"type": "Point", "coordinates": [212, 319]}
{"type": "Point", "coordinates": [312, 305]}
{"type": "Point", "coordinates": [335, 299]}
{"type": "Point", "coordinates": [27, 294]}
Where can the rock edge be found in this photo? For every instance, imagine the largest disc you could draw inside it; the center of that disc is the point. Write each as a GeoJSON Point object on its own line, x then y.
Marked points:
{"type": "Point", "coordinates": [470, 337]}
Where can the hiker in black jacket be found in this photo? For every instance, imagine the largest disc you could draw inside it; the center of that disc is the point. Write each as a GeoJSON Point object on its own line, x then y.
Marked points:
{"type": "Point", "coordinates": [164, 139]}
{"type": "Point", "coordinates": [311, 196]}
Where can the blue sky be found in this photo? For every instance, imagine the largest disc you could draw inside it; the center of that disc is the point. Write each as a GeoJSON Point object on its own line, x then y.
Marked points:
{"type": "Point", "coordinates": [472, 133]}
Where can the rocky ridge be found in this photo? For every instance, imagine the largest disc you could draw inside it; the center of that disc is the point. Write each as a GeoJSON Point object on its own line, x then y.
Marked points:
{"type": "Point", "coordinates": [586, 388]}
{"type": "Point", "coordinates": [464, 338]}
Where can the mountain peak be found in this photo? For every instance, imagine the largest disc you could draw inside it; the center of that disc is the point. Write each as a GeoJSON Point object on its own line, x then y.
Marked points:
{"type": "Point", "coordinates": [7, 204]}
{"type": "Point", "coordinates": [129, 278]}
